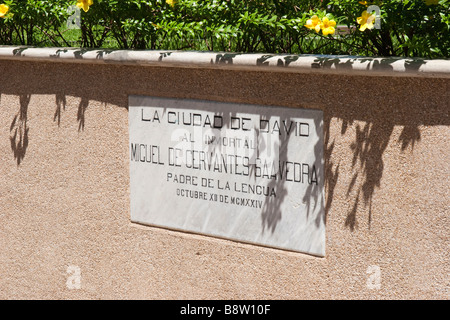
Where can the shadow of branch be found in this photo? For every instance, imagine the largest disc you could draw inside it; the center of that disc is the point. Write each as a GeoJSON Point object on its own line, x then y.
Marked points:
{"type": "Point", "coordinates": [19, 130]}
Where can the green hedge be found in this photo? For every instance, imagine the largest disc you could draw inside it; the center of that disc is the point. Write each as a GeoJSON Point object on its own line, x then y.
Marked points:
{"type": "Point", "coordinates": [418, 28]}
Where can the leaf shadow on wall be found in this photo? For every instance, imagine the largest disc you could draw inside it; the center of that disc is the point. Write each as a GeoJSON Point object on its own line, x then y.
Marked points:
{"type": "Point", "coordinates": [361, 111]}
{"type": "Point", "coordinates": [373, 110]}
{"type": "Point", "coordinates": [373, 134]}
{"type": "Point", "coordinates": [19, 129]}
{"type": "Point", "coordinates": [370, 108]}
{"type": "Point", "coordinates": [370, 143]}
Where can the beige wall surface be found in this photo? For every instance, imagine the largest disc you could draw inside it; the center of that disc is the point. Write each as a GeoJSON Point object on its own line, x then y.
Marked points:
{"type": "Point", "coordinates": [64, 188]}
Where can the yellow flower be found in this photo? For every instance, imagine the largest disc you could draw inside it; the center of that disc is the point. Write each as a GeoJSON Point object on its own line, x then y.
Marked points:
{"type": "Point", "coordinates": [171, 2]}
{"type": "Point", "coordinates": [3, 10]}
{"type": "Point", "coordinates": [430, 2]}
{"type": "Point", "coordinates": [313, 23]}
{"type": "Point", "coordinates": [327, 26]}
{"type": "Point", "coordinates": [366, 21]}
{"type": "Point", "coordinates": [365, 3]}
{"type": "Point", "coordinates": [84, 4]}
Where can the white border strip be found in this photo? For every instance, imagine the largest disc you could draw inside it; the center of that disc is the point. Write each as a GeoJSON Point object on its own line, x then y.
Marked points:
{"type": "Point", "coordinates": [393, 66]}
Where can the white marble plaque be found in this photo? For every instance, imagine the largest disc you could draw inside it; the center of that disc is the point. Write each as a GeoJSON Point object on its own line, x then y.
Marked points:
{"type": "Point", "coordinates": [243, 172]}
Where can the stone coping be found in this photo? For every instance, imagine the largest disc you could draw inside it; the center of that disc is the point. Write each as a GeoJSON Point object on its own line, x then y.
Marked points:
{"type": "Point", "coordinates": [390, 66]}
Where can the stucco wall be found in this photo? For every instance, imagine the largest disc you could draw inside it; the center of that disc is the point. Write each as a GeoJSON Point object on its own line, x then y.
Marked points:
{"type": "Point", "coordinates": [64, 187]}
